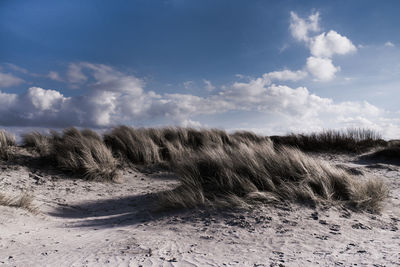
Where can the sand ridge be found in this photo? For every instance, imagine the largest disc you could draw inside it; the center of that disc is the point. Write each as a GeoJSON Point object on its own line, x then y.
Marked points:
{"type": "Point", "coordinates": [83, 223]}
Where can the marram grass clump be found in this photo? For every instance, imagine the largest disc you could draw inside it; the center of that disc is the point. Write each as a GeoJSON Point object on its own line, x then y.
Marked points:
{"type": "Point", "coordinates": [84, 153]}
{"type": "Point", "coordinates": [351, 140]}
{"type": "Point", "coordinates": [169, 144]}
{"type": "Point", "coordinates": [259, 172]}
{"type": "Point", "coordinates": [7, 140]}
{"type": "Point", "coordinates": [39, 142]}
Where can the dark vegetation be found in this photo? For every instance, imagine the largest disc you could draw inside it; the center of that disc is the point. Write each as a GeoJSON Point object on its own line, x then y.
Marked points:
{"type": "Point", "coordinates": [153, 145]}
{"type": "Point", "coordinates": [350, 140]}
{"type": "Point", "coordinates": [217, 168]}
{"type": "Point", "coordinates": [80, 152]}
{"type": "Point", "coordinates": [7, 141]}
{"type": "Point", "coordinates": [258, 172]}
{"type": "Point", "coordinates": [39, 142]}
{"type": "Point", "coordinates": [220, 169]}
{"type": "Point", "coordinates": [390, 153]}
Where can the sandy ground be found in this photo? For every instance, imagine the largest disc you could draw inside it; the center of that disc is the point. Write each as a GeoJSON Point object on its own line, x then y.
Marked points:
{"type": "Point", "coordinates": [84, 223]}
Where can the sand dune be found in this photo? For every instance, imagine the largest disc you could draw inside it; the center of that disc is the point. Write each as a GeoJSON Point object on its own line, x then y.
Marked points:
{"type": "Point", "coordinates": [86, 223]}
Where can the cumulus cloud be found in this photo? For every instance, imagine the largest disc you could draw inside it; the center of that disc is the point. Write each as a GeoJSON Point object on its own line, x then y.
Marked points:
{"type": "Point", "coordinates": [7, 100]}
{"type": "Point", "coordinates": [287, 75]}
{"type": "Point", "coordinates": [321, 68]}
{"type": "Point", "coordinates": [44, 99]}
{"type": "Point", "coordinates": [326, 45]}
{"type": "Point", "coordinates": [322, 46]}
{"type": "Point", "coordinates": [8, 80]}
{"type": "Point", "coordinates": [107, 102]}
{"type": "Point", "coordinates": [301, 28]}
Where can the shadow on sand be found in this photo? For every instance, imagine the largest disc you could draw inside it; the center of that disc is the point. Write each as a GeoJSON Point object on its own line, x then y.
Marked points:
{"type": "Point", "coordinates": [107, 213]}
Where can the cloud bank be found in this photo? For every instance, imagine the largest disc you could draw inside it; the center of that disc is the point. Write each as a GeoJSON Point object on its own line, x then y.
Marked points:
{"type": "Point", "coordinates": [8, 80]}
{"type": "Point", "coordinates": [116, 98]}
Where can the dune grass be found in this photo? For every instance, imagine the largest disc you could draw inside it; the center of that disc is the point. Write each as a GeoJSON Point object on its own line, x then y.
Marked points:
{"type": "Point", "coordinates": [350, 140]}
{"type": "Point", "coordinates": [39, 142]}
{"type": "Point", "coordinates": [7, 140]}
{"type": "Point", "coordinates": [23, 201]}
{"type": "Point", "coordinates": [80, 152]}
{"type": "Point", "coordinates": [259, 172]}
{"type": "Point", "coordinates": [84, 153]}
{"type": "Point", "coordinates": [217, 168]}
{"type": "Point", "coordinates": [155, 145]}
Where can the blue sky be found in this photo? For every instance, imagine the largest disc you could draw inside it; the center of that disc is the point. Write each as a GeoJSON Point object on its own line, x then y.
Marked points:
{"type": "Point", "coordinates": [267, 66]}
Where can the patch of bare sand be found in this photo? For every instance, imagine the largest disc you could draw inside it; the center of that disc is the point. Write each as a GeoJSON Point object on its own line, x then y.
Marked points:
{"type": "Point", "coordinates": [85, 223]}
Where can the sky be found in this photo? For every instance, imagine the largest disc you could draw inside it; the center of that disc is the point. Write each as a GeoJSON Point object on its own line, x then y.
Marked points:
{"type": "Point", "coordinates": [272, 67]}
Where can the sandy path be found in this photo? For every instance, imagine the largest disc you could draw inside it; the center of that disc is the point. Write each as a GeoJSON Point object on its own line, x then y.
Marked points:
{"type": "Point", "coordinates": [99, 224]}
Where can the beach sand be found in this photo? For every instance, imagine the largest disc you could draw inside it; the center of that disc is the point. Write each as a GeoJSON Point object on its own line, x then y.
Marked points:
{"type": "Point", "coordinates": [83, 223]}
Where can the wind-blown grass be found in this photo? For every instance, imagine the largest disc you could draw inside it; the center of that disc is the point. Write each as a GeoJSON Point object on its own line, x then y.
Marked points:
{"type": "Point", "coordinates": [156, 145]}
{"type": "Point", "coordinates": [39, 142]}
{"type": "Point", "coordinates": [84, 153]}
{"type": "Point", "coordinates": [7, 140]}
{"type": "Point", "coordinates": [80, 152]}
{"type": "Point", "coordinates": [350, 140]}
{"type": "Point", "coordinates": [217, 168]}
{"type": "Point", "coordinates": [259, 172]}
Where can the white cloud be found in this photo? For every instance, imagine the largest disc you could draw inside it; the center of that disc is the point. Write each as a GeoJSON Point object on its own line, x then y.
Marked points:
{"type": "Point", "coordinates": [128, 103]}
{"type": "Point", "coordinates": [287, 75]}
{"type": "Point", "coordinates": [321, 68]}
{"type": "Point", "coordinates": [389, 44]}
{"type": "Point", "coordinates": [208, 85]}
{"type": "Point", "coordinates": [75, 74]}
{"type": "Point", "coordinates": [322, 46]}
{"type": "Point", "coordinates": [109, 79]}
{"type": "Point", "coordinates": [326, 45]}
{"type": "Point", "coordinates": [53, 75]}
{"type": "Point", "coordinates": [300, 28]}
{"type": "Point", "coordinates": [8, 80]}
{"type": "Point", "coordinates": [7, 100]}
{"type": "Point", "coordinates": [44, 99]}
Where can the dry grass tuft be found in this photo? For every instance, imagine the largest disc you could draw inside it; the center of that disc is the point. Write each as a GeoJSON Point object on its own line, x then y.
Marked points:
{"type": "Point", "coordinates": [133, 145]}
{"type": "Point", "coordinates": [258, 172]}
{"type": "Point", "coordinates": [24, 201]}
{"type": "Point", "coordinates": [39, 142]}
{"type": "Point", "coordinates": [7, 140]}
{"type": "Point", "coordinates": [350, 140]}
{"type": "Point", "coordinates": [84, 153]}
